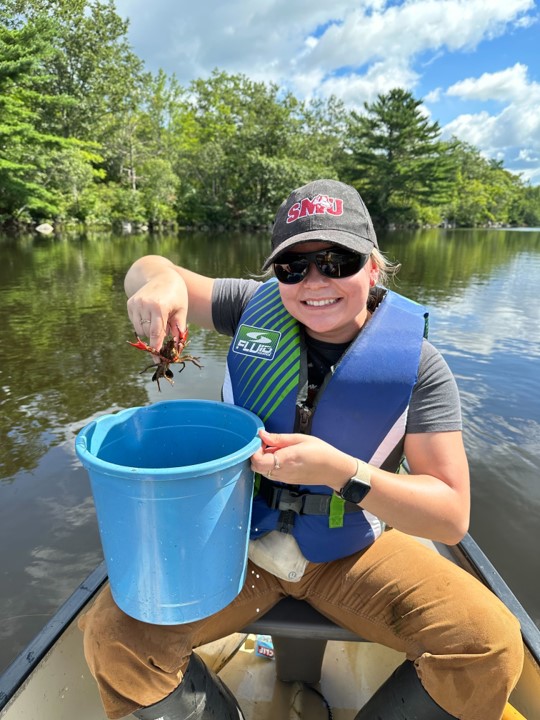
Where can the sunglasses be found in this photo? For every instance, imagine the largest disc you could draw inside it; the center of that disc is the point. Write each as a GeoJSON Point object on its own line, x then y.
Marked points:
{"type": "Point", "coordinates": [292, 268]}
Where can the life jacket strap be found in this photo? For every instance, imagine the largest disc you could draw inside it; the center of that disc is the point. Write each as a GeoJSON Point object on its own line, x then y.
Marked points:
{"type": "Point", "coordinates": [300, 503]}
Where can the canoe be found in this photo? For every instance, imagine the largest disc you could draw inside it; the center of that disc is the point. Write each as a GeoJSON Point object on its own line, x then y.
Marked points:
{"type": "Point", "coordinates": [49, 680]}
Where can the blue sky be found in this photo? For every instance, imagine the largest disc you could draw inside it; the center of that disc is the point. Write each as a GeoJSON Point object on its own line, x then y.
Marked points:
{"type": "Point", "coordinates": [475, 63]}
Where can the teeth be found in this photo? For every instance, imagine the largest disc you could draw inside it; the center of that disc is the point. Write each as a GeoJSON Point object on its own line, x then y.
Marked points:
{"type": "Point", "coordinates": [320, 303]}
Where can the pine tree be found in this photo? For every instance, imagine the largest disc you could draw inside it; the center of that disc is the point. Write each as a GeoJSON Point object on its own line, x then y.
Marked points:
{"type": "Point", "coordinates": [397, 160]}
{"type": "Point", "coordinates": [24, 146]}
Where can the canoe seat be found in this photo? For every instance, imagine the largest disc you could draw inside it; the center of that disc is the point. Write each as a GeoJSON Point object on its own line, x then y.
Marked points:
{"type": "Point", "coordinates": [299, 635]}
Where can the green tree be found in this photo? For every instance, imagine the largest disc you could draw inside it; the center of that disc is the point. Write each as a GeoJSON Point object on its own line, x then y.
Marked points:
{"type": "Point", "coordinates": [89, 93]}
{"type": "Point", "coordinates": [397, 160]}
{"type": "Point", "coordinates": [529, 206]}
{"type": "Point", "coordinates": [252, 143]}
{"type": "Point", "coordinates": [165, 132]}
{"type": "Point", "coordinates": [158, 190]}
{"type": "Point", "coordinates": [325, 132]}
{"type": "Point", "coordinates": [484, 192]}
{"type": "Point", "coordinates": [27, 149]}
{"type": "Point", "coordinates": [90, 61]}
{"type": "Point", "coordinates": [87, 133]}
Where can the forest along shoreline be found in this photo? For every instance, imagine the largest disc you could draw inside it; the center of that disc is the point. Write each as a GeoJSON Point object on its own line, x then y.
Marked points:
{"type": "Point", "coordinates": [136, 150]}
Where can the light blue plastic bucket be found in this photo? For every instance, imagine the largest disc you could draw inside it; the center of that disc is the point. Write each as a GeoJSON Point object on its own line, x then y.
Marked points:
{"type": "Point", "coordinates": [173, 487]}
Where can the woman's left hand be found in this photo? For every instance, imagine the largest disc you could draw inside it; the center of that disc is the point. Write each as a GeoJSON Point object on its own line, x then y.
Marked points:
{"type": "Point", "coordinates": [299, 459]}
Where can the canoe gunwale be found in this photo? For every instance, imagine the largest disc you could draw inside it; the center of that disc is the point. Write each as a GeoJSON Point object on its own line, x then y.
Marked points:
{"type": "Point", "coordinates": [466, 554]}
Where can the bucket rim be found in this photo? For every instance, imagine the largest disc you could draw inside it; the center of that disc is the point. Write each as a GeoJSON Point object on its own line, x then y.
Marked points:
{"type": "Point", "coordinates": [90, 461]}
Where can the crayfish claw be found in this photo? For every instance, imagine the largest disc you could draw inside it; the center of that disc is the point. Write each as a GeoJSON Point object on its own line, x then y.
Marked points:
{"type": "Point", "coordinates": [141, 345]}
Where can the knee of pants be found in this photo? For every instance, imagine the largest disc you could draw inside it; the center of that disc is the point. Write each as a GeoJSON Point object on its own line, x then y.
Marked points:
{"type": "Point", "coordinates": [467, 625]}
{"type": "Point", "coordinates": [112, 637]}
{"type": "Point", "coordinates": [494, 634]}
{"type": "Point", "coordinates": [106, 630]}
{"type": "Point", "coordinates": [506, 634]}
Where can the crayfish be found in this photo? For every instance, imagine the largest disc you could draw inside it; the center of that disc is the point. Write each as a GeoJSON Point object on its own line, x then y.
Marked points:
{"type": "Point", "coordinates": [171, 352]}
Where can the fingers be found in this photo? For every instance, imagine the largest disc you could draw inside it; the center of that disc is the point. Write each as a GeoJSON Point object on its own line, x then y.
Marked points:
{"type": "Point", "coordinates": [276, 466]}
{"type": "Point", "coordinates": [151, 321]}
{"type": "Point", "coordinates": [273, 441]}
{"type": "Point", "coordinates": [274, 459]}
{"type": "Point", "coordinates": [148, 323]}
{"type": "Point", "coordinates": [143, 326]}
{"type": "Point", "coordinates": [294, 458]}
{"type": "Point", "coordinates": [177, 324]}
{"type": "Point", "coordinates": [157, 331]}
{"type": "Point", "coordinates": [266, 463]}
{"type": "Point", "coordinates": [158, 302]}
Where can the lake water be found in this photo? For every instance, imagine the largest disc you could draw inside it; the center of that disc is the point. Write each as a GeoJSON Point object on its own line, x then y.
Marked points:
{"type": "Point", "coordinates": [64, 360]}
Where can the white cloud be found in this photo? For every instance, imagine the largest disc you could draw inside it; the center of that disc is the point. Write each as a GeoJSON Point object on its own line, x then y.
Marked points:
{"type": "Point", "coordinates": [260, 38]}
{"type": "Point", "coordinates": [434, 96]}
{"type": "Point", "coordinates": [277, 38]}
{"type": "Point", "coordinates": [512, 134]}
{"type": "Point", "coordinates": [510, 84]}
{"type": "Point", "coordinates": [354, 49]}
{"type": "Point", "coordinates": [528, 156]}
{"type": "Point", "coordinates": [531, 176]}
{"type": "Point", "coordinates": [526, 21]}
{"type": "Point", "coordinates": [356, 89]}
{"type": "Point", "coordinates": [475, 129]}
{"type": "Point", "coordinates": [406, 30]}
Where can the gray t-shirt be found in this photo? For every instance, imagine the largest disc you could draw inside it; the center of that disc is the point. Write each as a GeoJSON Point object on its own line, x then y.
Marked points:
{"type": "Point", "coordinates": [434, 406]}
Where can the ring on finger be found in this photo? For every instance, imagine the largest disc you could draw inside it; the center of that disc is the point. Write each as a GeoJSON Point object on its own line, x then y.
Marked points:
{"type": "Point", "coordinates": [277, 466]}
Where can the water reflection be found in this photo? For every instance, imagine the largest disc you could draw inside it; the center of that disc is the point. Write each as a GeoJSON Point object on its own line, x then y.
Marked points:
{"type": "Point", "coordinates": [64, 359]}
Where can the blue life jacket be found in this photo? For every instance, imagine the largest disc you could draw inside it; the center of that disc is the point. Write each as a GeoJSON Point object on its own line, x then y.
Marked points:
{"type": "Point", "coordinates": [361, 408]}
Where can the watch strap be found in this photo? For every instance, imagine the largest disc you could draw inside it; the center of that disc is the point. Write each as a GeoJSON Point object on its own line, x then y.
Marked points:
{"type": "Point", "coordinates": [358, 486]}
{"type": "Point", "coordinates": [363, 472]}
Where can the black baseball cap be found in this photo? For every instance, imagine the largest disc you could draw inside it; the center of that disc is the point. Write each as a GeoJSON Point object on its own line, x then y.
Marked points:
{"type": "Point", "coordinates": [325, 210]}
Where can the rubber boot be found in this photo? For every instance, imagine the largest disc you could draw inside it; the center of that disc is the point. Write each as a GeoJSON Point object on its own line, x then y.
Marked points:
{"type": "Point", "coordinates": [402, 697]}
{"type": "Point", "coordinates": [200, 696]}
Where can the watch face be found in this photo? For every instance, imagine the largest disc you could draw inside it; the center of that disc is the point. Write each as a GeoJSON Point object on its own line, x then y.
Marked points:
{"type": "Point", "coordinates": [355, 491]}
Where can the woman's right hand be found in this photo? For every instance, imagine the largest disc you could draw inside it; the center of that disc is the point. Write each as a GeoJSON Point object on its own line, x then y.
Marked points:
{"type": "Point", "coordinates": [159, 295]}
{"type": "Point", "coordinates": [158, 299]}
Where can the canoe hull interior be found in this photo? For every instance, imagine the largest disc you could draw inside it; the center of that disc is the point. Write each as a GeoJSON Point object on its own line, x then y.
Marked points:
{"type": "Point", "coordinates": [61, 688]}
{"type": "Point", "coordinates": [57, 684]}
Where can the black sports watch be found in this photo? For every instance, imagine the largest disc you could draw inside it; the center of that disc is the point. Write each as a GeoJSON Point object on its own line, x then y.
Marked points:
{"type": "Point", "coordinates": [356, 489]}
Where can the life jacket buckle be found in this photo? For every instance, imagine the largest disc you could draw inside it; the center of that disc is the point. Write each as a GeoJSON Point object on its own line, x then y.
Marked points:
{"type": "Point", "coordinates": [290, 500]}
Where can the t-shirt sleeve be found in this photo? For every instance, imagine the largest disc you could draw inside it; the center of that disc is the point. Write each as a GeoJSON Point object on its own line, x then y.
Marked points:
{"type": "Point", "coordinates": [435, 405]}
{"type": "Point", "coordinates": [229, 299]}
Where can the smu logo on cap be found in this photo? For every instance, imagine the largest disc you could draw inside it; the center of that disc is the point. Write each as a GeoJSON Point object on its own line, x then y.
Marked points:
{"type": "Point", "coordinates": [319, 205]}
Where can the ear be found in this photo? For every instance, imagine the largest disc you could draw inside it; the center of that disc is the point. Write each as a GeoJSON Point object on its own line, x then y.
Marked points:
{"type": "Point", "coordinates": [373, 273]}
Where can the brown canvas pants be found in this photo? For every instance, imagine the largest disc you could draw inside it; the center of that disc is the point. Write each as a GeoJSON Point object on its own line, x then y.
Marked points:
{"type": "Point", "coordinates": [465, 644]}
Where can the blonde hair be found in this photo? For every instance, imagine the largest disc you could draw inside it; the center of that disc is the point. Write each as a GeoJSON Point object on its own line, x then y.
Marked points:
{"type": "Point", "coordinates": [387, 269]}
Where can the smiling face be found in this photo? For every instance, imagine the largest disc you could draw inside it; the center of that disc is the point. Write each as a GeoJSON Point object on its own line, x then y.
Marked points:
{"type": "Point", "coordinates": [331, 309]}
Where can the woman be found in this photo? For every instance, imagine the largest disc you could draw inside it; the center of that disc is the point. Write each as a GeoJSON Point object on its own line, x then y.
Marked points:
{"type": "Point", "coordinates": [340, 373]}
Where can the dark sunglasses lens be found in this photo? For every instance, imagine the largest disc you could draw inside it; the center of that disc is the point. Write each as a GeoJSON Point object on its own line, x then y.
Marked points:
{"type": "Point", "coordinates": [291, 272]}
{"type": "Point", "coordinates": [338, 265]}
{"type": "Point", "coordinates": [293, 267]}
